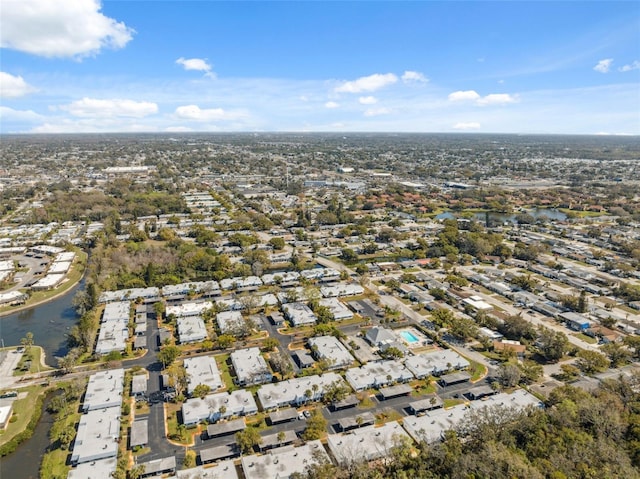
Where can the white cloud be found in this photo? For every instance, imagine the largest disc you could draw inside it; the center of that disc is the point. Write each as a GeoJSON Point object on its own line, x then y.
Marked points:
{"type": "Point", "coordinates": [466, 95]}
{"type": "Point", "coordinates": [466, 125]}
{"type": "Point", "coordinates": [60, 28]}
{"type": "Point", "coordinates": [369, 83]}
{"type": "Point", "coordinates": [332, 104]}
{"type": "Point", "coordinates": [177, 129]}
{"type": "Point", "coordinates": [497, 99]}
{"type": "Point", "coordinates": [635, 65]}
{"type": "Point", "coordinates": [474, 96]}
{"type": "Point", "coordinates": [97, 108]}
{"type": "Point", "coordinates": [413, 77]}
{"type": "Point", "coordinates": [377, 111]}
{"type": "Point", "coordinates": [13, 86]}
{"type": "Point", "coordinates": [603, 66]}
{"type": "Point", "coordinates": [195, 113]}
{"type": "Point", "coordinates": [197, 64]}
{"type": "Point", "coordinates": [368, 100]}
{"type": "Point", "coordinates": [7, 113]}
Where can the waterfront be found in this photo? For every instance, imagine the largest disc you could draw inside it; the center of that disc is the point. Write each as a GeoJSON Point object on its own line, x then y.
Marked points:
{"type": "Point", "coordinates": [24, 462]}
{"type": "Point", "coordinates": [49, 322]}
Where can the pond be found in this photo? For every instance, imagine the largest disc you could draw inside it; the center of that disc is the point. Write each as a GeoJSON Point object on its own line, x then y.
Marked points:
{"type": "Point", "coordinates": [50, 323]}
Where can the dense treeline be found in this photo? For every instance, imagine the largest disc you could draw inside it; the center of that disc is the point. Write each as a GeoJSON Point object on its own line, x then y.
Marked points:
{"type": "Point", "coordinates": [578, 435]}
{"type": "Point", "coordinates": [121, 197]}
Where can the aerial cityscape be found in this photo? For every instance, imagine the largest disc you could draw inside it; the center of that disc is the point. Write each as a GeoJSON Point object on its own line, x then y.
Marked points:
{"type": "Point", "coordinates": [398, 260]}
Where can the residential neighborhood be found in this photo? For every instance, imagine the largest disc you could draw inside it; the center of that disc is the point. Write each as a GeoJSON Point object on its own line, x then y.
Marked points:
{"type": "Point", "coordinates": [258, 315]}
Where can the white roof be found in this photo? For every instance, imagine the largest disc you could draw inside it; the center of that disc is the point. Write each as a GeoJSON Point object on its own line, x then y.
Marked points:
{"type": "Point", "coordinates": [293, 391]}
{"type": "Point", "coordinates": [97, 437]}
{"type": "Point", "coordinates": [299, 313]}
{"type": "Point", "coordinates": [282, 462]}
{"type": "Point", "coordinates": [377, 374]}
{"type": "Point", "coordinates": [250, 366]}
{"type": "Point", "coordinates": [102, 469]}
{"type": "Point", "coordinates": [366, 443]}
{"type": "Point", "coordinates": [222, 470]}
{"type": "Point", "coordinates": [190, 308]}
{"type": "Point", "coordinates": [341, 289]}
{"type": "Point", "coordinates": [49, 281]}
{"type": "Point", "coordinates": [191, 329]}
{"type": "Point", "coordinates": [104, 390]}
{"type": "Point", "coordinates": [6, 265]}
{"type": "Point", "coordinates": [331, 349]}
{"type": "Point", "coordinates": [435, 363]}
{"type": "Point", "coordinates": [229, 321]}
{"type": "Point", "coordinates": [339, 310]}
{"type": "Point", "coordinates": [117, 311]}
{"type": "Point", "coordinates": [202, 370]}
{"type": "Point", "coordinates": [434, 423]}
{"type": "Point", "coordinates": [236, 403]}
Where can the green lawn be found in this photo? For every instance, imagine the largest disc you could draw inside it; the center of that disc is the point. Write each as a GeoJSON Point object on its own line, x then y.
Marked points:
{"type": "Point", "coordinates": [585, 338]}
{"type": "Point", "coordinates": [34, 355]}
{"type": "Point", "coordinates": [22, 411]}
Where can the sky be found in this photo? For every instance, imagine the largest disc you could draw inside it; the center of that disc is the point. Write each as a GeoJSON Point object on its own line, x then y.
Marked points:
{"type": "Point", "coordinates": [542, 67]}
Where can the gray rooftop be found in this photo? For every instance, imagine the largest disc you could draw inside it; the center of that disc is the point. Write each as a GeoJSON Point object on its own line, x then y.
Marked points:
{"type": "Point", "coordinates": [139, 433]}
{"type": "Point", "coordinates": [104, 390]}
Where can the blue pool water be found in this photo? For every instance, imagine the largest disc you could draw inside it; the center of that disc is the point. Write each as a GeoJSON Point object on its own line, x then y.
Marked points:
{"type": "Point", "coordinates": [408, 337]}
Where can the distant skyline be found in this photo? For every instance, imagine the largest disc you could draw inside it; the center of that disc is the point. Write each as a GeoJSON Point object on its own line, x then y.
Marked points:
{"type": "Point", "coordinates": [390, 66]}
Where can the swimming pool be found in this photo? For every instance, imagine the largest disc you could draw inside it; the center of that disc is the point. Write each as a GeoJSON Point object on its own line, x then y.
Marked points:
{"type": "Point", "coordinates": [409, 337]}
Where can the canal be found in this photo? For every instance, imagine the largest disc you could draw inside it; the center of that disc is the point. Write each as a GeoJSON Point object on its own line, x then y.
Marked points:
{"type": "Point", "coordinates": [24, 462]}
{"type": "Point", "coordinates": [50, 323]}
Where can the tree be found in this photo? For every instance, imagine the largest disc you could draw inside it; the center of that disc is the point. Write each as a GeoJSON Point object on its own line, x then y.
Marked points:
{"type": "Point", "coordinates": [27, 341]}
{"type": "Point", "coordinates": [281, 437]}
{"type": "Point", "coordinates": [138, 471]}
{"type": "Point", "coordinates": [509, 375]}
{"type": "Point", "coordinates": [617, 354]}
{"type": "Point", "coordinates": [552, 345]}
{"type": "Point", "coordinates": [177, 378]}
{"type": "Point", "coordinates": [189, 459]}
{"type": "Point", "coordinates": [316, 426]}
{"type": "Point", "coordinates": [335, 392]}
{"type": "Point", "coordinates": [517, 328]}
{"type": "Point", "coordinates": [348, 255]}
{"type": "Point", "coordinates": [269, 344]}
{"type": "Point", "coordinates": [633, 342]}
{"type": "Point", "coordinates": [201, 390]}
{"type": "Point", "coordinates": [248, 439]}
{"type": "Point", "coordinates": [277, 243]}
{"type": "Point", "coordinates": [168, 354]}
{"type": "Point", "coordinates": [225, 341]}
{"type": "Point", "coordinates": [591, 362]}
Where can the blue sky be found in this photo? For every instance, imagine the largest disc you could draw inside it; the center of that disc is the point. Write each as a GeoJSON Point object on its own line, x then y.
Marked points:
{"type": "Point", "coordinates": [171, 66]}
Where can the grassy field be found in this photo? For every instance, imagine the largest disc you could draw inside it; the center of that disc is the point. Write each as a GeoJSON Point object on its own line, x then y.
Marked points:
{"type": "Point", "coordinates": [22, 410]}
{"type": "Point", "coordinates": [477, 371]}
{"type": "Point", "coordinates": [35, 356]}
